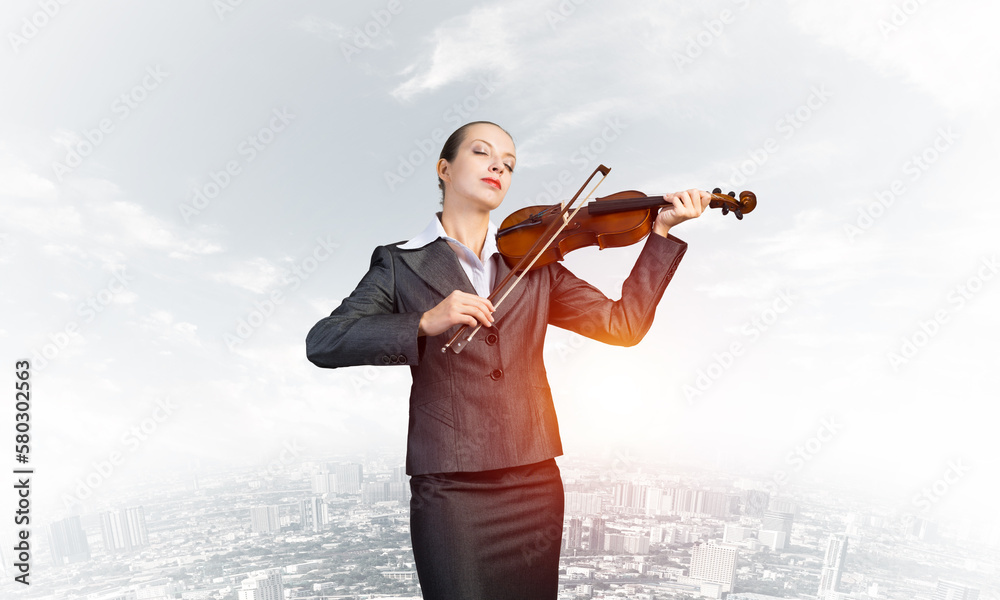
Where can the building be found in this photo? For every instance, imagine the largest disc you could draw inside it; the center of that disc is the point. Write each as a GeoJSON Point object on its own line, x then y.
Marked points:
{"type": "Point", "coordinates": [636, 544]}
{"type": "Point", "coordinates": [734, 534]}
{"type": "Point", "coordinates": [833, 564]}
{"type": "Point", "coordinates": [754, 503]}
{"type": "Point", "coordinates": [348, 478]}
{"type": "Point", "coordinates": [574, 534]}
{"type": "Point", "coordinates": [775, 540]}
{"type": "Point", "coordinates": [775, 520]}
{"type": "Point", "coordinates": [630, 496]}
{"type": "Point", "coordinates": [124, 531]}
{"type": "Point", "coordinates": [949, 590]}
{"type": "Point", "coordinates": [262, 585]}
{"type": "Point", "coordinates": [324, 483]}
{"type": "Point", "coordinates": [264, 519]}
{"type": "Point", "coordinates": [384, 491]}
{"type": "Point", "coordinates": [782, 505]}
{"type": "Point", "coordinates": [313, 514]}
{"type": "Point", "coordinates": [714, 564]}
{"type": "Point", "coordinates": [580, 503]}
{"type": "Point", "coordinates": [684, 501]}
{"type": "Point", "coordinates": [596, 540]}
{"type": "Point", "coordinates": [68, 542]}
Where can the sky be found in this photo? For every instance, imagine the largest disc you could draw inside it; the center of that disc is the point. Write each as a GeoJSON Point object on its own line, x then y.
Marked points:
{"type": "Point", "coordinates": [187, 187]}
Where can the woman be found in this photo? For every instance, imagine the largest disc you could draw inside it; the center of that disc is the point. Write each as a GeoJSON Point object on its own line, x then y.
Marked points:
{"type": "Point", "coordinates": [487, 501]}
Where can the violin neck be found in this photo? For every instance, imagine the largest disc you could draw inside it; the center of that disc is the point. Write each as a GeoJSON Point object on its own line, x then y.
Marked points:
{"type": "Point", "coordinates": [603, 207]}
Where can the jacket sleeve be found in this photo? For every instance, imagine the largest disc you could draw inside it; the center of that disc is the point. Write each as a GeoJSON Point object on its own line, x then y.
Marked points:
{"type": "Point", "coordinates": [578, 306]}
{"type": "Point", "coordinates": [365, 329]}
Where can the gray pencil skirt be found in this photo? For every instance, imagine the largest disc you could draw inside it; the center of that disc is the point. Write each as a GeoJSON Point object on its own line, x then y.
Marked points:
{"type": "Point", "coordinates": [488, 535]}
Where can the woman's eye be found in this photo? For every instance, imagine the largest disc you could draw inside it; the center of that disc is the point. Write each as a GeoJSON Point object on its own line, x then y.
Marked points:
{"type": "Point", "coordinates": [478, 152]}
{"type": "Point", "coordinates": [510, 168]}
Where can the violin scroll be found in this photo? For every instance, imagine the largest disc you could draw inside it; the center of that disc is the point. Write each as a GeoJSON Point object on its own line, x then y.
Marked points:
{"type": "Point", "coordinates": [728, 203]}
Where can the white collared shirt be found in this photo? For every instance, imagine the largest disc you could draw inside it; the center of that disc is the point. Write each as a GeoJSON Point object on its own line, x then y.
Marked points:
{"type": "Point", "coordinates": [481, 270]}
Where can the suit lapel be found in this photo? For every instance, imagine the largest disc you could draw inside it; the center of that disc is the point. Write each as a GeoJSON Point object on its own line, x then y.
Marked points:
{"type": "Point", "coordinates": [437, 265]}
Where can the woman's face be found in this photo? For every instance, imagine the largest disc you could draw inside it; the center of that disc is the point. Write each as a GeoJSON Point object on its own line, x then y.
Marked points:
{"type": "Point", "coordinates": [481, 171]}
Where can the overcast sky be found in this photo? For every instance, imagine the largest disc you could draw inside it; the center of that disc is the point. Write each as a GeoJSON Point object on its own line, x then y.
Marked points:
{"type": "Point", "coordinates": [187, 187]}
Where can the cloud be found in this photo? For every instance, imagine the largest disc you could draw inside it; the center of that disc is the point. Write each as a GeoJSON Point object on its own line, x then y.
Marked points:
{"type": "Point", "coordinates": [905, 38]}
{"type": "Point", "coordinates": [17, 179]}
{"type": "Point", "coordinates": [256, 274]}
{"type": "Point", "coordinates": [86, 218]}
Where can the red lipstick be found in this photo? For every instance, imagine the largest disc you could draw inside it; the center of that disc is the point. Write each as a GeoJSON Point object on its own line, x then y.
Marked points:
{"type": "Point", "coordinates": [494, 182]}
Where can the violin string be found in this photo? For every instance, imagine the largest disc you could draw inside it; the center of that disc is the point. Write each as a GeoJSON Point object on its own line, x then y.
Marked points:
{"type": "Point", "coordinates": [538, 255]}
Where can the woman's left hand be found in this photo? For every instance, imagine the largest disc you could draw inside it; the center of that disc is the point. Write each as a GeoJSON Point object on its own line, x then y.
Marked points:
{"type": "Point", "coordinates": [686, 205]}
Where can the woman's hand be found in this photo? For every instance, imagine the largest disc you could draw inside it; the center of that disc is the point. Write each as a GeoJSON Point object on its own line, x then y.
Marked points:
{"type": "Point", "coordinates": [459, 308]}
{"type": "Point", "coordinates": [686, 205]}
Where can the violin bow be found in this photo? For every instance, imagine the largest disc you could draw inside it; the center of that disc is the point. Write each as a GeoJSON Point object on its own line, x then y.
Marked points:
{"type": "Point", "coordinates": [534, 253]}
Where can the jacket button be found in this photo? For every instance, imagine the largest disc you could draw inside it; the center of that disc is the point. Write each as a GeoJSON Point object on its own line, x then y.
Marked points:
{"type": "Point", "coordinates": [385, 358]}
{"type": "Point", "coordinates": [492, 338]}
{"type": "Point", "coordinates": [402, 358]}
{"type": "Point", "coordinates": [496, 374]}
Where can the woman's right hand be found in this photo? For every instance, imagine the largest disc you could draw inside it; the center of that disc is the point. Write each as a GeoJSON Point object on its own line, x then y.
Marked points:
{"type": "Point", "coordinates": [458, 308]}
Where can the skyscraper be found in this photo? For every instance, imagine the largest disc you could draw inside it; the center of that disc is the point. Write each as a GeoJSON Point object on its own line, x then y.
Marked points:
{"type": "Point", "coordinates": [262, 585]}
{"type": "Point", "coordinates": [833, 564]}
{"type": "Point", "coordinates": [755, 503]}
{"type": "Point", "coordinates": [735, 533]}
{"type": "Point", "coordinates": [125, 530]}
{"type": "Point", "coordinates": [778, 521]}
{"type": "Point", "coordinates": [68, 541]}
{"type": "Point", "coordinates": [313, 514]}
{"type": "Point", "coordinates": [630, 496]}
{"type": "Point", "coordinates": [574, 534]}
{"type": "Point", "coordinates": [711, 563]}
{"type": "Point", "coordinates": [949, 590]}
{"type": "Point", "coordinates": [596, 535]}
{"type": "Point", "coordinates": [348, 478]}
{"type": "Point", "coordinates": [264, 519]}
{"type": "Point", "coordinates": [580, 503]}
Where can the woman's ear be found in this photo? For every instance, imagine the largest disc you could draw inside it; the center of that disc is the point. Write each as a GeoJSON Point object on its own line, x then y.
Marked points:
{"type": "Point", "coordinates": [442, 169]}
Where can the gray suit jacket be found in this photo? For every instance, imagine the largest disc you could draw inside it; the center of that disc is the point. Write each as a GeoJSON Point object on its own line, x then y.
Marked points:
{"type": "Point", "coordinates": [489, 407]}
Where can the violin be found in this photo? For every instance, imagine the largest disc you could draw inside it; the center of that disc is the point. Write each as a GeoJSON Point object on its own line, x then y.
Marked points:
{"type": "Point", "coordinates": [621, 219]}
{"type": "Point", "coordinates": [536, 236]}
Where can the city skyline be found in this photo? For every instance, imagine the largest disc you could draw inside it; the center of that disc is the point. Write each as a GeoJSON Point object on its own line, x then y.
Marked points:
{"type": "Point", "coordinates": [669, 548]}
{"type": "Point", "coordinates": [187, 188]}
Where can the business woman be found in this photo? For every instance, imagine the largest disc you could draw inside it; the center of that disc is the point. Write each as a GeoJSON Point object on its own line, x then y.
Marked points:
{"type": "Point", "coordinates": [486, 509]}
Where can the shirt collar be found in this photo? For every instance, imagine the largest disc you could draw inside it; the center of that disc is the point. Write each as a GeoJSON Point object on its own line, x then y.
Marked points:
{"type": "Point", "coordinates": [435, 230]}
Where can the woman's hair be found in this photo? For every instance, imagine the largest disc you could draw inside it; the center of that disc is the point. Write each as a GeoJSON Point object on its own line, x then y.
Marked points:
{"type": "Point", "coordinates": [451, 145]}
